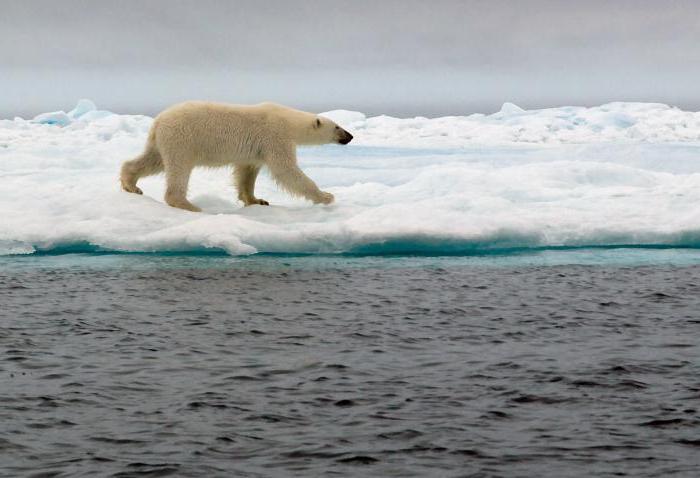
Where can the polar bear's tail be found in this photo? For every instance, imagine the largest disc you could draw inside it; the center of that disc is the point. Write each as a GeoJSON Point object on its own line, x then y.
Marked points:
{"type": "Point", "coordinates": [147, 163]}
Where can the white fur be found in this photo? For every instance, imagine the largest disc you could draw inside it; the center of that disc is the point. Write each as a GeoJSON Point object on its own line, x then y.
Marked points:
{"type": "Point", "coordinates": [248, 137]}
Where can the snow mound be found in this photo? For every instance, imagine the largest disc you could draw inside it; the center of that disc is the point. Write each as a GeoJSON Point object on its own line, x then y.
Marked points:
{"type": "Point", "coordinates": [612, 122]}
{"type": "Point", "coordinates": [345, 117]}
{"type": "Point", "coordinates": [617, 174]}
{"type": "Point", "coordinates": [85, 110]}
{"type": "Point", "coordinates": [511, 109]}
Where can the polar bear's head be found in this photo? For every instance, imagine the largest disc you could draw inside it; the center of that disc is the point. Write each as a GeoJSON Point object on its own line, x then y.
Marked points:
{"type": "Point", "coordinates": [324, 131]}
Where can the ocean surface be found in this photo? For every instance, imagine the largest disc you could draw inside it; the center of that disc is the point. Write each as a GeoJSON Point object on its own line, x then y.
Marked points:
{"type": "Point", "coordinates": [554, 363]}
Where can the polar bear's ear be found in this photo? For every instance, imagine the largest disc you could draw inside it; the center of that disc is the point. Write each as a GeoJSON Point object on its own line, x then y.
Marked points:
{"type": "Point", "coordinates": [317, 123]}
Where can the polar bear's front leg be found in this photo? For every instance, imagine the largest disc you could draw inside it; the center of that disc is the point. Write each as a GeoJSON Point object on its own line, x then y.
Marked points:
{"type": "Point", "coordinates": [287, 174]}
{"type": "Point", "coordinates": [244, 178]}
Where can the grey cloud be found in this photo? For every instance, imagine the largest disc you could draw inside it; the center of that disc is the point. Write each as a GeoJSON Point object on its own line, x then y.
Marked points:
{"type": "Point", "coordinates": [578, 51]}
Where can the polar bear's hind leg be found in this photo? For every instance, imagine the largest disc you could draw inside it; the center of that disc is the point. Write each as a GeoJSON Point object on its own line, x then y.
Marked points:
{"type": "Point", "coordinates": [146, 164]}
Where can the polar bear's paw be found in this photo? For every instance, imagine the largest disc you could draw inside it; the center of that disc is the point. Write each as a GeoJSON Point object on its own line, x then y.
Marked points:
{"type": "Point", "coordinates": [131, 188]}
{"type": "Point", "coordinates": [324, 198]}
{"type": "Point", "coordinates": [255, 201]}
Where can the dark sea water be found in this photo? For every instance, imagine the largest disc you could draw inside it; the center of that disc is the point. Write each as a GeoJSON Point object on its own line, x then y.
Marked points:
{"type": "Point", "coordinates": [557, 364]}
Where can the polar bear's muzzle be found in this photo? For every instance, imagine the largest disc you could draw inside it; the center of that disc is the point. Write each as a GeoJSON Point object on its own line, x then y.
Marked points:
{"type": "Point", "coordinates": [345, 137]}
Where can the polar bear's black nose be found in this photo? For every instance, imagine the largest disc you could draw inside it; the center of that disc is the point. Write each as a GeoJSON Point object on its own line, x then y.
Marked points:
{"type": "Point", "coordinates": [345, 138]}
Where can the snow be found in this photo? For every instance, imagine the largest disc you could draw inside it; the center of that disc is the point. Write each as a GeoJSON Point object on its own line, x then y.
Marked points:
{"type": "Point", "coordinates": [616, 174]}
{"type": "Point", "coordinates": [647, 122]}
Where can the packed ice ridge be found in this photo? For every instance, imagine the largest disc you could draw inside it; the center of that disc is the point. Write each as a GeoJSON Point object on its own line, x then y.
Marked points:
{"type": "Point", "coordinates": [616, 174]}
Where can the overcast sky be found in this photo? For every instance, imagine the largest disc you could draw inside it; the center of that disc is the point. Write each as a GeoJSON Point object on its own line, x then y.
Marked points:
{"type": "Point", "coordinates": [402, 57]}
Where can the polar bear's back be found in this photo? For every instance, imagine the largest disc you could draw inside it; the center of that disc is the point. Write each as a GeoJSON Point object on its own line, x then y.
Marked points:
{"type": "Point", "coordinates": [216, 132]}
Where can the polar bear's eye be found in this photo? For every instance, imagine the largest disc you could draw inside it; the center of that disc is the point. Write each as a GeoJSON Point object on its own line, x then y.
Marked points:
{"type": "Point", "coordinates": [318, 123]}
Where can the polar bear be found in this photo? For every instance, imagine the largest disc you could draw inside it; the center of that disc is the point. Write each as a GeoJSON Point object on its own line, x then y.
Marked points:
{"type": "Point", "coordinates": [198, 133]}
